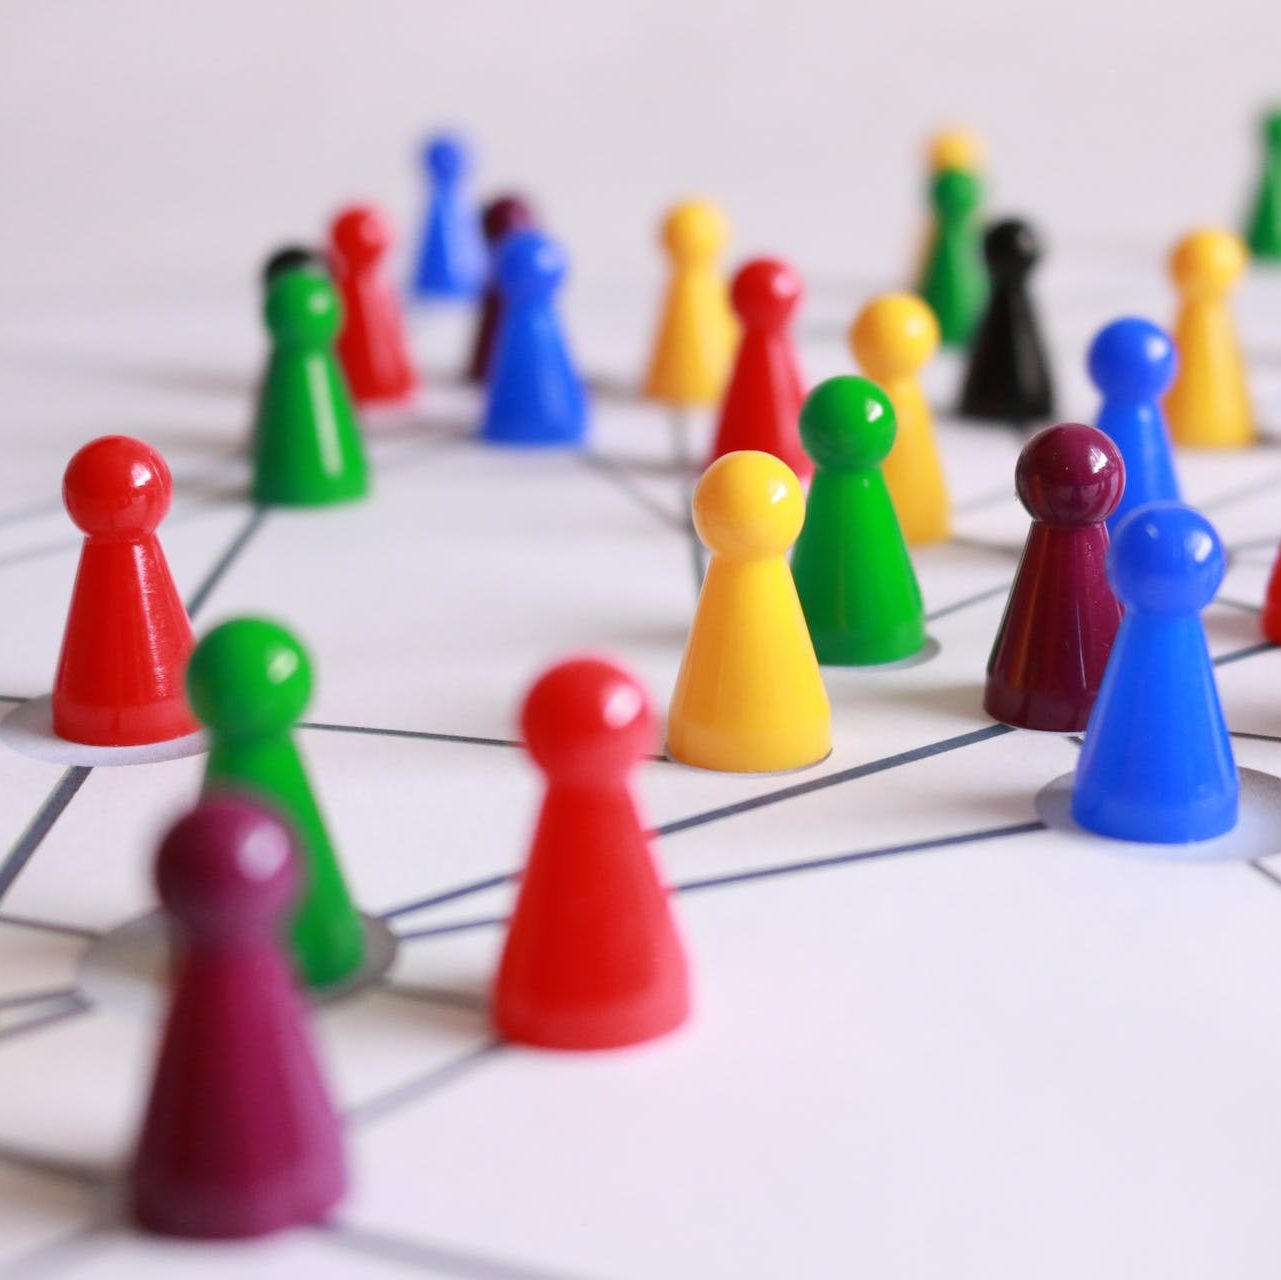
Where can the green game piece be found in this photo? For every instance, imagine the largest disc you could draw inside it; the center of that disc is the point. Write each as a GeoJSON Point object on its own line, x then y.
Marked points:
{"type": "Point", "coordinates": [1264, 231]}
{"type": "Point", "coordinates": [307, 446]}
{"type": "Point", "coordinates": [853, 574]}
{"type": "Point", "coordinates": [955, 282]}
{"type": "Point", "coordinates": [249, 681]}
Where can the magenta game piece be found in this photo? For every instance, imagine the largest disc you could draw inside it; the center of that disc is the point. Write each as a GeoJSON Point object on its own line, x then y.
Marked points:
{"type": "Point", "coordinates": [500, 218]}
{"type": "Point", "coordinates": [239, 1137]}
{"type": "Point", "coordinates": [1061, 618]}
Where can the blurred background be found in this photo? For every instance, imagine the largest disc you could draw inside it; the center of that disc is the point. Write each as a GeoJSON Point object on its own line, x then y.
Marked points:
{"type": "Point", "coordinates": [161, 148]}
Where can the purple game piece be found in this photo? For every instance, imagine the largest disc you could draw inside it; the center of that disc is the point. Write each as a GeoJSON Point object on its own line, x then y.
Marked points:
{"type": "Point", "coordinates": [500, 218]}
{"type": "Point", "coordinates": [239, 1137]}
{"type": "Point", "coordinates": [1054, 640]}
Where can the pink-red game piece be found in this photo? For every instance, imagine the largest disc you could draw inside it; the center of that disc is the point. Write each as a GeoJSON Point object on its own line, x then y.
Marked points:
{"type": "Point", "coordinates": [501, 217]}
{"type": "Point", "coordinates": [593, 959]}
{"type": "Point", "coordinates": [239, 1137]}
{"type": "Point", "coordinates": [762, 404]}
{"type": "Point", "coordinates": [120, 677]}
{"type": "Point", "coordinates": [371, 347]}
{"type": "Point", "coordinates": [1054, 640]}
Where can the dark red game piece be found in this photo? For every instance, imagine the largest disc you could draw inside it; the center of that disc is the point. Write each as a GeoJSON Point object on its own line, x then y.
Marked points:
{"type": "Point", "coordinates": [1270, 619]}
{"type": "Point", "coordinates": [592, 959]}
{"type": "Point", "coordinates": [239, 1137]}
{"type": "Point", "coordinates": [371, 346]}
{"type": "Point", "coordinates": [1054, 640]}
{"type": "Point", "coordinates": [762, 404]}
{"type": "Point", "coordinates": [500, 218]}
{"type": "Point", "coordinates": [120, 677]}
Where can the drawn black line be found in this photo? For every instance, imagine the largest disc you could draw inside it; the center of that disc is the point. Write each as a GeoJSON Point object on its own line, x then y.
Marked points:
{"type": "Point", "coordinates": [418, 1088]}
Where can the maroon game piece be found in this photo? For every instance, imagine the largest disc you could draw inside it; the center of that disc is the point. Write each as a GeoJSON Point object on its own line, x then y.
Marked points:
{"type": "Point", "coordinates": [239, 1138]}
{"type": "Point", "coordinates": [1054, 640]}
{"type": "Point", "coordinates": [762, 404]}
{"type": "Point", "coordinates": [371, 346]}
{"type": "Point", "coordinates": [593, 959]}
{"type": "Point", "coordinates": [500, 218]}
{"type": "Point", "coordinates": [127, 640]}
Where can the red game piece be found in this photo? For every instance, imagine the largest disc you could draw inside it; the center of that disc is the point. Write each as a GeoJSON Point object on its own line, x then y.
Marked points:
{"type": "Point", "coordinates": [239, 1138]}
{"type": "Point", "coordinates": [500, 218]}
{"type": "Point", "coordinates": [124, 652]}
{"type": "Point", "coordinates": [592, 959]}
{"type": "Point", "coordinates": [1054, 640]}
{"type": "Point", "coordinates": [371, 346]}
{"type": "Point", "coordinates": [762, 404]}
{"type": "Point", "coordinates": [1271, 617]}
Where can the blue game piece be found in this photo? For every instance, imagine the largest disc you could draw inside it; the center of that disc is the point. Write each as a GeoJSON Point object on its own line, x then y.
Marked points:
{"type": "Point", "coordinates": [1156, 764]}
{"type": "Point", "coordinates": [535, 394]}
{"type": "Point", "coordinates": [451, 258]}
{"type": "Point", "coordinates": [1132, 363]}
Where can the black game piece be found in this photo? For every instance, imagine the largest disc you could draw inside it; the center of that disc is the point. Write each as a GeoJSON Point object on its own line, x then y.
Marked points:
{"type": "Point", "coordinates": [288, 258]}
{"type": "Point", "coordinates": [1008, 378]}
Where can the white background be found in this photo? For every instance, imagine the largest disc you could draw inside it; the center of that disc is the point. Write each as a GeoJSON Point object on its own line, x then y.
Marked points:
{"type": "Point", "coordinates": [149, 145]}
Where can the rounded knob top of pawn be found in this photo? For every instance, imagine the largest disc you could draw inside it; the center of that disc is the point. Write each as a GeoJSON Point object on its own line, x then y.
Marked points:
{"type": "Point", "coordinates": [1069, 476]}
{"type": "Point", "coordinates": [360, 234]}
{"type": "Point", "coordinates": [447, 156]}
{"type": "Point", "coordinates": [766, 292]}
{"type": "Point", "coordinates": [249, 678]}
{"type": "Point", "coordinates": [1208, 262]}
{"type": "Point", "coordinates": [227, 868]}
{"type": "Point", "coordinates": [1166, 558]}
{"type": "Point", "coordinates": [956, 147]}
{"type": "Point", "coordinates": [292, 257]}
{"type": "Point", "coordinates": [1011, 247]}
{"type": "Point", "coordinates": [956, 193]}
{"type": "Point", "coordinates": [748, 505]}
{"type": "Point", "coordinates": [302, 310]}
{"type": "Point", "coordinates": [847, 424]}
{"type": "Point", "coordinates": [695, 231]}
{"type": "Point", "coordinates": [506, 214]}
{"type": "Point", "coordinates": [1132, 359]}
{"type": "Point", "coordinates": [894, 336]}
{"type": "Point", "coordinates": [117, 486]}
{"type": "Point", "coordinates": [530, 265]}
{"type": "Point", "coordinates": [588, 719]}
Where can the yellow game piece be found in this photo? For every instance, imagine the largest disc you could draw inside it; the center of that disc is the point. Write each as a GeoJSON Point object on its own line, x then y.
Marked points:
{"type": "Point", "coordinates": [1208, 405]}
{"type": "Point", "coordinates": [749, 697]}
{"type": "Point", "coordinates": [892, 338]}
{"type": "Point", "coordinates": [956, 147]}
{"type": "Point", "coordinates": [697, 332]}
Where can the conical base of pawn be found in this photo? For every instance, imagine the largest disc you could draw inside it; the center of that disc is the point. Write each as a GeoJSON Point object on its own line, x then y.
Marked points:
{"type": "Point", "coordinates": [307, 446]}
{"type": "Point", "coordinates": [1263, 234]}
{"type": "Point", "coordinates": [857, 587]}
{"type": "Point", "coordinates": [1270, 619]}
{"type": "Point", "coordinates": [955, 285]}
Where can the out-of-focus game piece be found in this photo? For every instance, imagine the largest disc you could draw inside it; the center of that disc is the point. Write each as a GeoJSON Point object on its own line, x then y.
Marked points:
{"type": "Point", "coordinates": [1132, 363]}
{"type": "Point", "coordinates": [451, 255]}
{"type": "Point", "coordinates": [292, 257]}
{"type": "Point", "coordinates": [307, 445]}
{"type": "Point", "coordinates": [501, 217]}
{"type": "Point", "coordinates": [1157, 763]}
{"type": "Point", "coordinates": [1008, 377]}
{"type": "Point", "coordinates": [854, 577]}
{"type": "Point", "coordinates": [1209, 402]}
{"type": "Point", "coordinates": [1056, 634]}
{"type": "Point", "coordinates": [1270, 617]}
{"type": "Point", "coordinates": [535, 396]}
{"type": "Point", "coordinates": [592, 959]}
{"type": "Point", "coordinates": [1263, 230]}
{"type": "Point", "coordinates": [749, 697]}
{"type": "Point", "coordinates": [371, 346]}
{"type": "Point", "coordinates": [763, 399]}
{"type": "Point", "coordinates": [696, 334]}
{"type": "Point", "coordinates": [953, 279]}
{"type": "Point", "coordinates": [249, 682]}
{"type": "Point", "coordinates": [239, 1138]}
{"type": "Point", "coordinates": [892, 338]}
{"type": "Point", "coordinates": [119, 680]}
